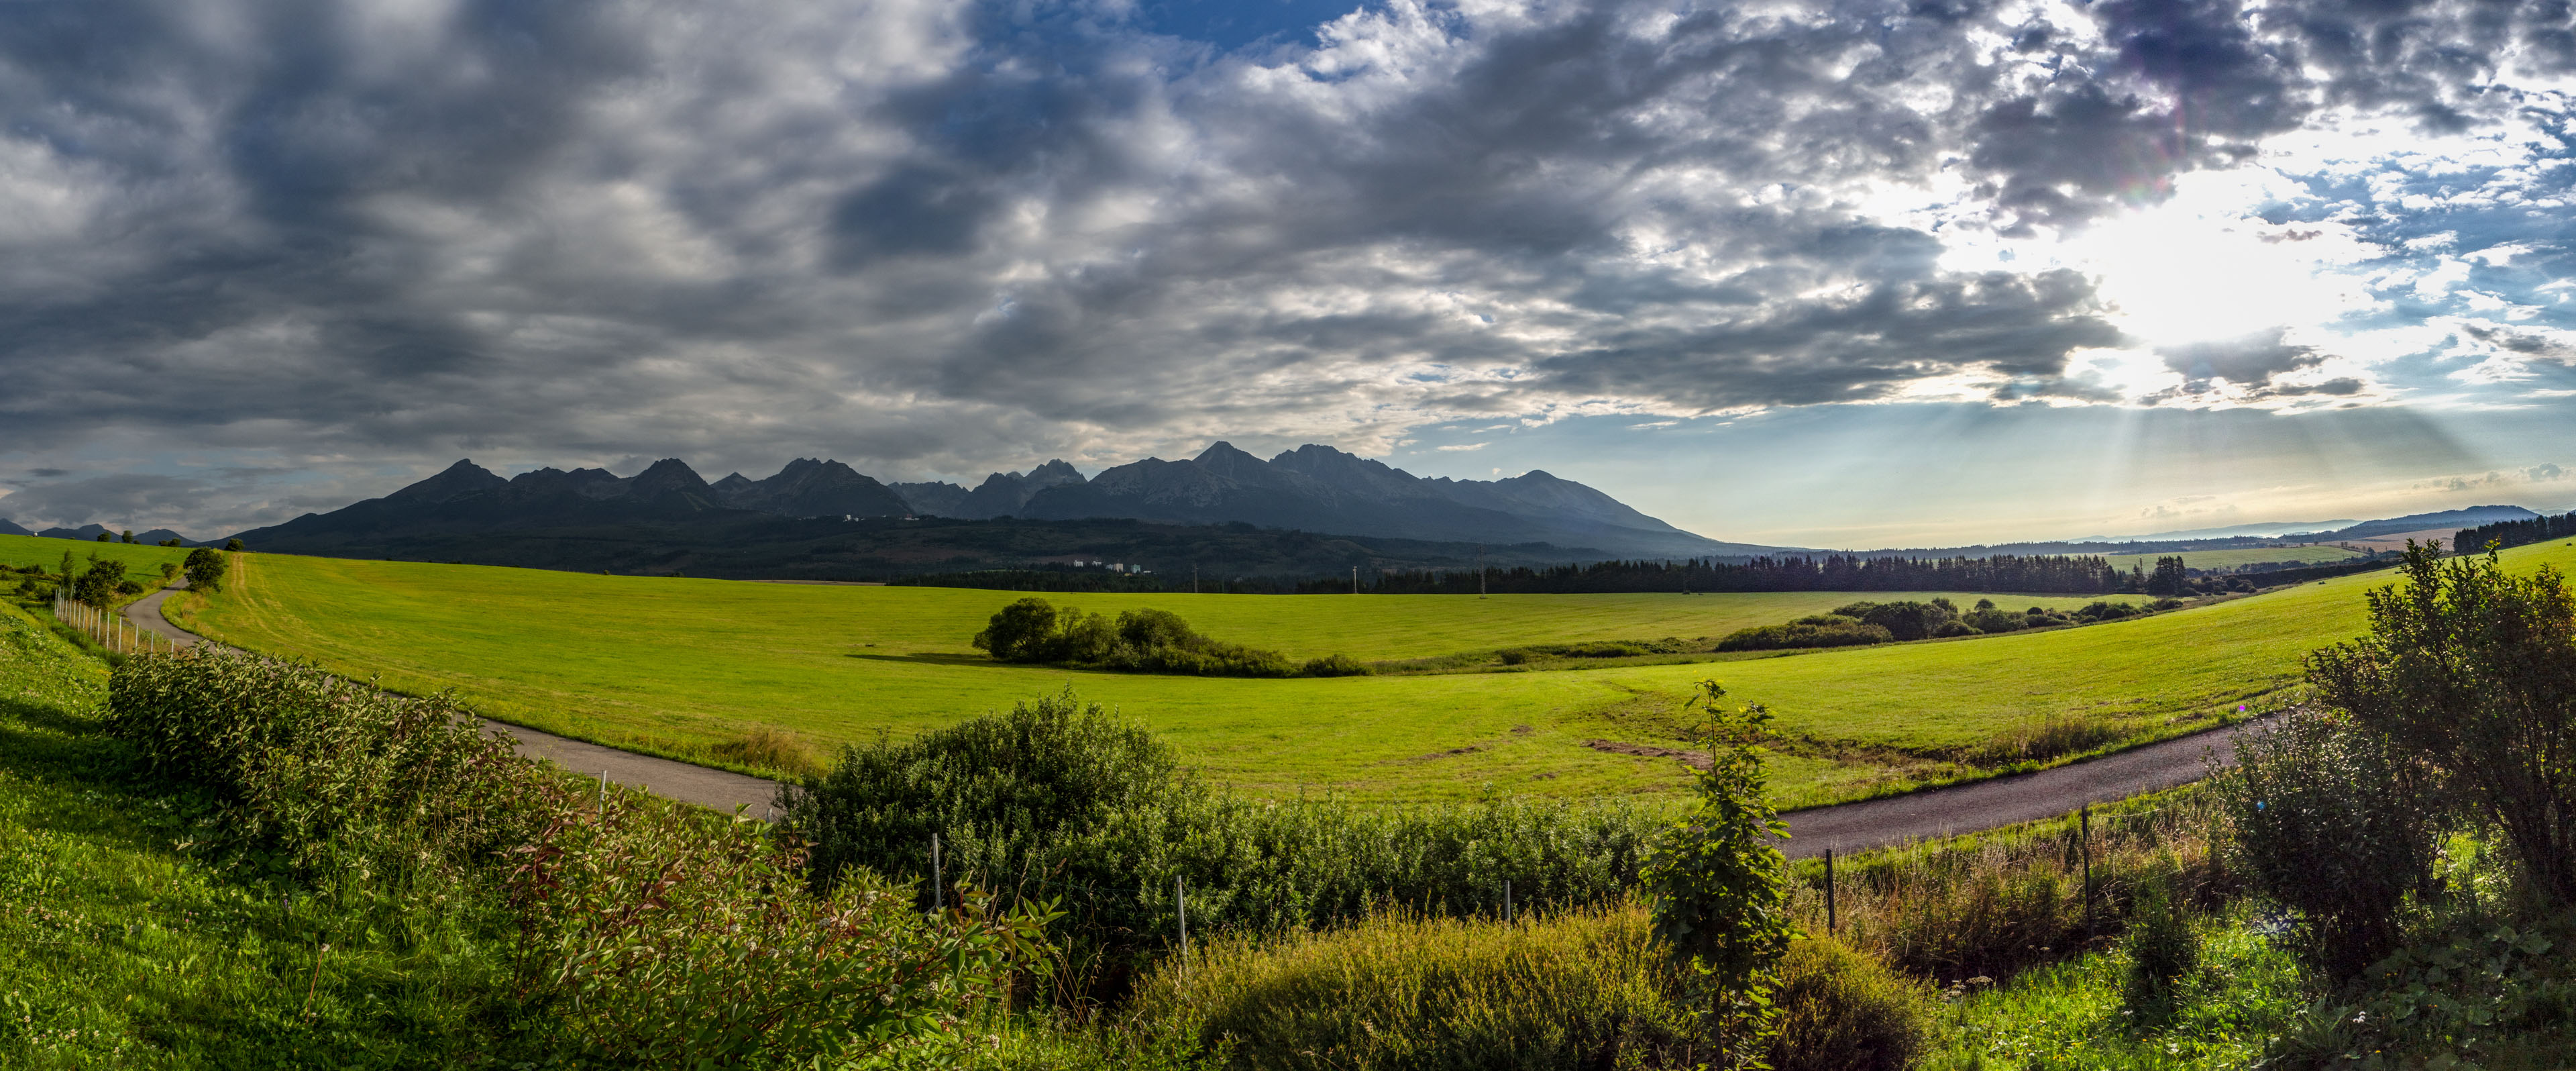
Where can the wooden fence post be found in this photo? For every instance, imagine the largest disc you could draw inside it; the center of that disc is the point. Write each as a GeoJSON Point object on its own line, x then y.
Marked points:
{"type": "Point", "coordinates": [1832, 922]}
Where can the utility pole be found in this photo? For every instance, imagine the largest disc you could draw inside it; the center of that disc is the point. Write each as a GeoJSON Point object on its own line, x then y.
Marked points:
{"type": "Point", "coordinates": [1194, 578]}
{"type": "Point", "coordinates": [1480, 570]}
{"type": "Point", "coordinates": [1355, 580]}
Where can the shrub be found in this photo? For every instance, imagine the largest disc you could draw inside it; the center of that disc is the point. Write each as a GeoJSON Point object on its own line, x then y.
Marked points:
{"type": "Point", "coordinates": [1056, 799]}
{"type": "Point", "coordinates": [1336, 665]}
{"type": "Point", "coordinates": [1904, 620]}
{"type": "Point", "coordinates": [320, 767]}
{"type": "Point", "coordinates": [1843, 1011]}
{"type": "Point", "coordinates": [2474, 670]}
{"type": "Point", "coordinates": [1400, 990]}
{"type": "Point", "coordinates": [2331, 824]}
{"type": "Point", "coordinates": [1720, 885]}
{"type": "Point", "coordinates": [1821, 630]}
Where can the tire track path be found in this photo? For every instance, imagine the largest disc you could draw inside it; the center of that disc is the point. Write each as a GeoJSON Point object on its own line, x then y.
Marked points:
{"type": "Point", "coordinates": [1846, 827]}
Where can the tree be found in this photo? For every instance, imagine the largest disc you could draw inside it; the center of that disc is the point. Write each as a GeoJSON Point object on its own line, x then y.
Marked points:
{"type": "Point", "coordinates": [67, 570]}
{"type": "Point", "coordinates": [2170, 578]}
{"type": "Point", "coordinates": [2474, 671]}
{"type": "Point", "coordinates": [98, 586]}
{"type": "Point", "coordinates": [233, 544]}
{"type": "Point", "coordinates": [1020, 632]}
{"type": "Point", "coordinates": [104, 537]}
{"type": "Point", "coordinates": [127, 536]}
{"type": "Point", "coordinates": [206, 569]}
{"type": "Point", "coordinates": [1721, 888]}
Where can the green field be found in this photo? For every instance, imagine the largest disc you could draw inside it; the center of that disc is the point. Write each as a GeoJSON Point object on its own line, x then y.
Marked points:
{"type": "Point", "coordinates": [36, 550]}
{"type": "Point", "coordinates": [2229, 559]}
{"type": "Point", "coordinates": [681, 667]}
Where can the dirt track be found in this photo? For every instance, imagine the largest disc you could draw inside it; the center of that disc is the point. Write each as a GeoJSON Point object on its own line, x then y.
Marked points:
{"type": "Point", "coordinates": [1847, 827]}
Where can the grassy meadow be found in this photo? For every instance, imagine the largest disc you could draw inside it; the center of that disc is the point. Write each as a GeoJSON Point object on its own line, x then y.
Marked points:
{"type": "Point", "coordinates": [2229, 559]}
{"type": "Point", "coordinates": [36, 550]}
{"type": "Point", "coordinates": [705, 669]}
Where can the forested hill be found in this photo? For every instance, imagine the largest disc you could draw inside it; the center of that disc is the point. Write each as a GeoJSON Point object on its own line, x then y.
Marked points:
{"type": "Point", "coordinates": [1836, 572]}
{"type": "Point", "coordinates": [2515, 533]}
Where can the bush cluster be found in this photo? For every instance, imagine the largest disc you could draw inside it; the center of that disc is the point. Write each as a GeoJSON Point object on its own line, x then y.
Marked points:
{"type": "Point", "coordinates": [1057, 800]}
{"type": "Point", "coordinates": [646, 933]}
{"type": "Point", "coordinates": [1139, 641]}
{"type": "Point", "coordinates": [1888, 622]}
{"type": "Point", "coordinates": [2457, 713]}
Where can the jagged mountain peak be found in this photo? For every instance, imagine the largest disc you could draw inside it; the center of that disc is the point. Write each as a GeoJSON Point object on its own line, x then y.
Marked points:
{"type": "Point", "coordinates": [462, 478]}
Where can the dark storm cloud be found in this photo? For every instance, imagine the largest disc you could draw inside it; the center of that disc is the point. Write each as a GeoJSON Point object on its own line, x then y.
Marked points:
{"type": "Point", "coordinates": [931, 237]}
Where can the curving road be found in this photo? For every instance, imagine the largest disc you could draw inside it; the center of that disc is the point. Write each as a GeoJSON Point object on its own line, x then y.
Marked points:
{"type": "Point", "coordinates": [721, 790]}
{"type": "Point", "coordinates": [1847, 827]}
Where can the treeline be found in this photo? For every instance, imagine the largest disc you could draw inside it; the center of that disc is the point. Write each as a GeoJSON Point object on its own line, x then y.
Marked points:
{"type": "Point", "coordinates": [2514, 533]}
{"type": "Point", "coordinates": [1836, 572]}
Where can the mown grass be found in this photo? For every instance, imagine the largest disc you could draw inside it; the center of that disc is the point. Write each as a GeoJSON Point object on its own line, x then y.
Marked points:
{"type": "Point", "coordinates": [121, 947]}
{"type": "Point", "coordinates": [692, 667]}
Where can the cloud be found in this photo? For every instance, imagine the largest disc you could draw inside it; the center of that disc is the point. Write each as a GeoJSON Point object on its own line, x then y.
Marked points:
{"type": "Point", "coordinates": [937, 238]}
{"type": "Point", "coordinates": [1461, 447]}
{"type": "Point", "coordinates": [2545, 472]}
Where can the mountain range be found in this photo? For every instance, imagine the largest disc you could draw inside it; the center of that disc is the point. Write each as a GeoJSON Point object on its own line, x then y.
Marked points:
{"type": "Point", "coordinates": [1312, 488]}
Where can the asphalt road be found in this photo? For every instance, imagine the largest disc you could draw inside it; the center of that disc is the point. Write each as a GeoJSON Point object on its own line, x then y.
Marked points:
{"type": "Point", "coordinates": [1848, 827]}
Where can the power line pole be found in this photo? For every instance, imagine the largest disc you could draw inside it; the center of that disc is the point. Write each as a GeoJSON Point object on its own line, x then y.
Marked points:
{"type": "Point", "coordinates": [1355, 580]}
{"type": "Point", "coordinates": [1480, 570]}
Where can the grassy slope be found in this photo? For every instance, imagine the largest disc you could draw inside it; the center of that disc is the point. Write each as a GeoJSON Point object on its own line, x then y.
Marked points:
{"type": "Point", "coordinates": [116, 949]}
{"type": "Point", "coordinates": [675, 665]}
{"type": "Point", "coordinates": [2223, 559]}
{"type": "Point", "coordinates": [37, 550]}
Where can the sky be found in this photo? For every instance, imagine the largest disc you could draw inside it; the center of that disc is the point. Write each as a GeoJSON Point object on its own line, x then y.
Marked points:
{"type": "Point", "coordinates": [1830, 274]}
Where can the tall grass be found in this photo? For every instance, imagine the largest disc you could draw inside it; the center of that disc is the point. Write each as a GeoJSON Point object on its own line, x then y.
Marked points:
{"type": "Point", "coordinates": [1997, 903]}
{"type": "Point", "coordinates": [1586, 987]}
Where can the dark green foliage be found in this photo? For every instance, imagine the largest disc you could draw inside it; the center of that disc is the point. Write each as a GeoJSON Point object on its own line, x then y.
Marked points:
{"type": "Point", "coordinates": [105, 537]}
{"type": "Point", "coordinates": [1140, 641]}
{"type": "Point", "coordinates": [1720, 887]}
{"type": "Point", "coordinates": [2474, 671]}
{"type": "Point", "coordinates": [1058, 800]}
{"type": "Point", "coordinates": [1334, 665]}
{"type": "Point", "coordinates": [2163, 953]}
{"type": "Point", "coordinates": [324, 770]}
{"type": "Point", "coordinates": [205, 566]}
{"type": "Point", "coordinates": [1834, 572]}
{"type": "Point", "coordinates": [233, 544]}
{"type": "Point", "coordinates": [2170, 578]}
{"type": "Point", "coordinates": [1903, 620]}
{"type": "Point", "coordinates": [2514, 533]}
{"type": "Point", "coordinates": [2333, 825]}
{"type": "Point", "coordinates": [1844, 1011]}
{"type": "Point", "coordinates": [1819, 630]}
{"type": "Point", "coordinates": [99, 584]}
{"type": "Point", "coordinates": [1515, 656]}
{"type": "Point", "coordinates": [2473, 991]}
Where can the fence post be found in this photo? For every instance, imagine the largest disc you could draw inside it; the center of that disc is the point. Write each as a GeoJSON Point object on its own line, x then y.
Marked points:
{"type": "Point", "coordinates": [938, 887]}
{"type": "Point", "coordinates": [2084, 831]}
{"type": "Point", "coordinates": [1507, 900]}
{"type": "Point", "coordinates": [1832, 923]}
{"type": "Point", "coordinates": [1181, 905]}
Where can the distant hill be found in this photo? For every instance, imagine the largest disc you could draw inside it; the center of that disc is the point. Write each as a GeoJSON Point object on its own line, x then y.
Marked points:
{"type": "Point", "coordinates": [2256, 530]}
{"type": "Point", "coordinates": [1311, 489]}
{"type": "Point", "coordinates": [2417, 522]}
{"type": "Point", "coordinates": [10, 527]}
{"type": "Point", "coordinates": [86, 531]}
